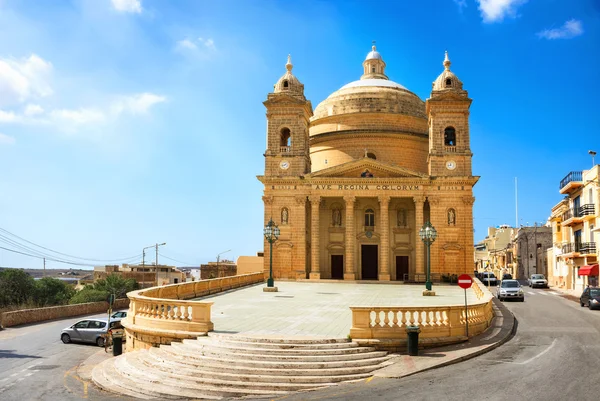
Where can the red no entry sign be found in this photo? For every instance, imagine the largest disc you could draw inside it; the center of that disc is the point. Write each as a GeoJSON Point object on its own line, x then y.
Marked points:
{"type": "Point", "coordinates": [465, 281]}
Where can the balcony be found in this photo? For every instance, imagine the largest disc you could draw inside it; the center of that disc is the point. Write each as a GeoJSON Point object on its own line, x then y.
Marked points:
{"type": "Point", "coordinates": [587, 211]}
{"type": "Point", "coordinates": [450, 149]}
{"type": "Point", "coordinates": [579, 248]}
{"type": "Point", "coordinates": [572, 181]}
{"type": "Point", "coordinates": [577, 215]}
{"type": "Point", "coordinates": [284, 149]}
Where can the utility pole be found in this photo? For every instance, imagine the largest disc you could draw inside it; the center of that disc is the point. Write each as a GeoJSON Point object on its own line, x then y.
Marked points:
{"type": "Point", "coordinates": [44, 267]}
{"type": "Point", "coordinates": [156, 260]}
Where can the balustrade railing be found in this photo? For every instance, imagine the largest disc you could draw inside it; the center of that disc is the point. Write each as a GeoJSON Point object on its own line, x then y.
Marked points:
{"type": "Point", "coordinates": [573, 176]}
{"type": "Point", "coordinates": [284, 149]}
{"type": "Point", "coordinates": [450, 149]}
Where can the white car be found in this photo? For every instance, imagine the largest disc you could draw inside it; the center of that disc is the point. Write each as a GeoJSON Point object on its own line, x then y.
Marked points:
{"type": "Point", "coordinates": [537, 280]}
{"type": "Point", "coordinates": [510, 289]}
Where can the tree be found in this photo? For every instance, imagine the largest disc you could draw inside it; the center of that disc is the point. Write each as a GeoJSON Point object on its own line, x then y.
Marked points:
{"type": "Point", "coordinates": [89, 294]}
{"type": "Point", "coordinates": [16, 287]}
{"type": "Point", "coordinates": [50, 291]}
{"type": "Point", "coordinates": [116, 284]}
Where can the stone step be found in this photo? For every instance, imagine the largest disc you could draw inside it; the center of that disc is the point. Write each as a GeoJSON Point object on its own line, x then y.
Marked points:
{"type": "Point", "coordinates": [154, 381]}
{"type": "Point", "coordinates": [192, 348]}
{"type": "Point", "coordinates": [174, 349]}
{"type": "Point", "coordinates": [104, 383]}
{"type": "Point", "coordinates": [252, 375]}
{"type": "Point", "coordinates": [161, 355]}
{"type": "Point", "coordinates": [242, 348]}
{"type": "Point", "coordinates": [238, 341]}
{"type": "Point", "coordinates": [279, 339]}
{"type": "Point", "coordinates": [136, 362]}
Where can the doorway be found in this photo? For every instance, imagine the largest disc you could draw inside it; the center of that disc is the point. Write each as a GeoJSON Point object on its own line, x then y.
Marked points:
{"type": "Point", "coordinates": [337, 267]}
{"type": "Point", "coordinates": [402, 268]}
{"type": "Point", "coordinates": [369, 262]}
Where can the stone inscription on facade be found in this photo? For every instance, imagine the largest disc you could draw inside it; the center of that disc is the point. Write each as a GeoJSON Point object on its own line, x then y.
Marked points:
{"type": "Point", "coordinates": [366, 187]}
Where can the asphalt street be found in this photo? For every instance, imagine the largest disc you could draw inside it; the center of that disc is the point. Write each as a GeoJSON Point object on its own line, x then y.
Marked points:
{"type": "Point", "coordinates": [36, 365]}
{"type": "Point", "coordinates": [554, 355]}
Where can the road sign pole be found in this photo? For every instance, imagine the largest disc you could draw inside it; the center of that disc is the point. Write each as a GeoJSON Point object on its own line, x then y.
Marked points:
{"type": "Point", "coordinates": [465, 281]}
{"type": "Point", "coordinates": [466, 315]}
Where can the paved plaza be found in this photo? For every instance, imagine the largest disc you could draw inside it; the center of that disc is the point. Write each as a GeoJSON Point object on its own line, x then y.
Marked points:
{"type": "Point", "coordinates": [316, 308]}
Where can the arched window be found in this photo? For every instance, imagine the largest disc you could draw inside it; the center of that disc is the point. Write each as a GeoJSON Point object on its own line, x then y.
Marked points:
{"type": "Point", "coordinates": [373, 69]}
{"type": "Point", "coordinates": [371, 156]}
{"type": "Point", "coordinates": [369, 218]}
{"type": "Point", "coordinates": [286, 84]}
{"type": "Point", "coordinates": [285, 137]}
{"type": "Point", "coordinates": [450, 136]}
{"type": "Point", "coordinates": [448, 82]}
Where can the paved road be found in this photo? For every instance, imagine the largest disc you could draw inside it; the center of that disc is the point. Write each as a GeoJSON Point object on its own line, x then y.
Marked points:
{"type": "Point", "coordinates": [555, 355]}
{"type": "Point", "coordinates": [36, 365]}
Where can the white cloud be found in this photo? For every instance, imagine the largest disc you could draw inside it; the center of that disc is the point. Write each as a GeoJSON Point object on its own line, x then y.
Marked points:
{"type": "Point", "coordinates": [461, 4]}
{"type": "Point", "coordinates": [33, 109]}
{"type": "Point", "coordinates": [9, 117]}
{"type": "Point", "coordinates": [208, 43]}
{"type": "Point", "coordinates": [186, 44]}
{"type": "Point", "coordinates": [136, 104]}
{"type": "Point", "coordinates": [570, 29]}
{"type": "Point", "coordinates": [6, 140]}
{"type": "Point", "coordinates": [127, 6]}
{"type": "Point", "coordinates": [24, 79]}
{"type": "Point", "coordinates": [496, 10]}
{"type": "Point", "coordinates": [66, 118]}
{"type": "Point", "coordinates": [201, 45]}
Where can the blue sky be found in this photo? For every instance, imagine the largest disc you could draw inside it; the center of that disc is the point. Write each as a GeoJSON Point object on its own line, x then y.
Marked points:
{"type": "Point", "coordinates": [129, 122]}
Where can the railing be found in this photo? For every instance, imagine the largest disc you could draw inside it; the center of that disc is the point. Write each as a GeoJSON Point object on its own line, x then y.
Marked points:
{"type": "Point", "coordinates": [579, 212]}
{"type": "Point", "coordinates": [450, 149]}
{"type": "Point", "coordinates": [586, 210]}
{"type": "Point", "coordinates": [159, 315]}
{"type": "Point", "coordinates": [580, 247]}
{"type": "Point", "coordinates": [284, 149]}
{"type": "Point", "coordinates": [440, 322]}
{"type": "Point", "coordinates": [571, 177]}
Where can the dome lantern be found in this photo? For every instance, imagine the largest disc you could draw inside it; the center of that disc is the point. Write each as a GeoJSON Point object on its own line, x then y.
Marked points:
{"type": "Point", "coordinates": [288, 83]}
{"type": "Point", "coordinates": [374, 66]}
{"type": "Point", "coordinates": [447, 80]}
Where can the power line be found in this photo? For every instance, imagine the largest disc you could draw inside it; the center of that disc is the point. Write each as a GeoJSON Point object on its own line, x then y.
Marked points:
{"type": "Point", "coordinates": [65, 254]}
{"type": "Point", "coordinates": [175, 260]}
{"type": "Point", "coordinates": [41, 257]}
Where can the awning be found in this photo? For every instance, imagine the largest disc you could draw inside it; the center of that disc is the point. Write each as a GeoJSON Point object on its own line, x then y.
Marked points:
{"type": "Point", "coordinates": [589, 270]}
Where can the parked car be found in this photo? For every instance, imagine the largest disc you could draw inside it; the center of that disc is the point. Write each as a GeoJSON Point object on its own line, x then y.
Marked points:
{"type": "Point", "coordinates": [488, 278]}
{"type": "Point", "coordinates": [118, 315]}
{"type": "Point", "coordinates": [590, 298]}
{"type": "Point", "coordinates": [87, 331]}
{"type": "Point", "coordinates": [537, 280]}
{"type": "Point", "coordinates": [510, 289]}
{"type": "Point", "coordinates": [507, 276]}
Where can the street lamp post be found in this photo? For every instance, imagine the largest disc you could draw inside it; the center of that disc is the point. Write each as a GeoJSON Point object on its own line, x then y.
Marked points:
{"type": "Point", "coordinates": [428, 235]}
{"type": "Point", "coordinates": [271, 235]}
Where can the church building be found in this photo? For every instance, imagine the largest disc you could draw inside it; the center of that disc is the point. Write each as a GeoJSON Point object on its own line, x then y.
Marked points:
{"type": "Point", "coordinates": [351, 183]}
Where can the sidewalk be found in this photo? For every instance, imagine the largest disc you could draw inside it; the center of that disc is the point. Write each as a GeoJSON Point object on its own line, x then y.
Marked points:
{"type": "Point", "coordinates": [503, 327]}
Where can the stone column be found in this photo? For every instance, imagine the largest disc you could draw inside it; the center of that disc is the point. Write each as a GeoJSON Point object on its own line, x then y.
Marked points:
{"type": "Point", "coordinates": [438, 219]}
{"type": "Point", "coordinates": [315, 268]}
{"type": "Point", "coordinates": [268, 201]}
{"type": "Point", "coordinates": [384, 244]}
{"type": "Point", "coordinates": [350, 239]}
{"type": "Point", "coordinates": [466, 221]}
{"type": "Point", "coordinates": [419, 246]}
{"type": "Point", "coordinates": [299, 229]}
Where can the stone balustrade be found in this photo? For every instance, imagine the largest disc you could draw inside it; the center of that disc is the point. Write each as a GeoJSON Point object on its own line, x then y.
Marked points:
{"type": "Point", "coordinates": [160, 315]}
{"type": "Point", "coordinates": [385, 327]}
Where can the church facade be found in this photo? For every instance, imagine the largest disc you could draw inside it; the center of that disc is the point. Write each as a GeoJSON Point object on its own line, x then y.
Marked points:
{"type": "Point", "coordinates": [350, 183]}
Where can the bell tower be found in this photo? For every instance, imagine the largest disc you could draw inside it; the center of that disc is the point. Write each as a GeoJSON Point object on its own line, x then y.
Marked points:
{"type": "Point", "coordinates": [448, 115]}
{"type": "Point", "coordinates": [288, 114]}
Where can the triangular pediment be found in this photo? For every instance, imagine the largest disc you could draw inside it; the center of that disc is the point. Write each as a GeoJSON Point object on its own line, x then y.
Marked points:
{"type": "Point", "coordinates": [361, 168]}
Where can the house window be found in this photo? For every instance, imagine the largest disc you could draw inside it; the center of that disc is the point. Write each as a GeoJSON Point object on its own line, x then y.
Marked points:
{"type": "Point", "coordinates": [369, 218]}
{"type": "Point", "coordinates": [448, 82]}
{"type": "Point", "coordinates": [450, 136]}
{"type": "Point", "coordinates": [285, 137]}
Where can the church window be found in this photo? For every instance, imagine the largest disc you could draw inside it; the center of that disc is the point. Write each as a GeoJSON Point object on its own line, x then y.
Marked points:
{"type": "Point", "coordinates": [373, 69]}
{"type": "Point", "coordinates": [448, 82]}
{"type": "Point", "coordinates": [369, 218]}
{"type": "Point", "coordinates": [285, 137]}
{"type": "Point", "coordinates": [286, 84]}
{"type": "Point", "coordinates": [371, 156]}
{"type": "Point", "coordinates": [450, 136]}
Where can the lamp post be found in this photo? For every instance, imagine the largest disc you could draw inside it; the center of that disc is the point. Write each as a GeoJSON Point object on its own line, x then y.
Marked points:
{"type": "Point", "coordinates": [271, 235]}
{"type": "Point", "coordinates": [428, 235]}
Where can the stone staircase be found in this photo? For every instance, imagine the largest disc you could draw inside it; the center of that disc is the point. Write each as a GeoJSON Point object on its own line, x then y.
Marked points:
{"type": "Point", "coordinates": [220, 366]}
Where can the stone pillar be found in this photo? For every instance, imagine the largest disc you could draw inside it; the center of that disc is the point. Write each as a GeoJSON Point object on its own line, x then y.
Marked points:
{"type": "Point", "coordinates": [315, 266]}
{"type": "Point", "coordinates": [268, 200]}
{"type": "Point", "coordinates": [466, 221]}
{"type": "Point", "coordinates": [384, 245]}
{"type": "Point", "coordinates": [419, 245]}
{"type": "Point", "coordinates": [299, 262]}
{"type": "Point", "coordinates": [350, 239]}
{"type": "Point", "coordinates": [437, 218]}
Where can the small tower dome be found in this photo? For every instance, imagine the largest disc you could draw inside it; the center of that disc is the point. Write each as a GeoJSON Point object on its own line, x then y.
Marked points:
{"type": "Point", "coordinates": [288, 83]}
{"type": "Point", "coordinates": [447, 80]}
{"type": "Point", "coordinates": [374, 66]}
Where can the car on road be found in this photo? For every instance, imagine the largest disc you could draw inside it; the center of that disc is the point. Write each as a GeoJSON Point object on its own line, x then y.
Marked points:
{"type": "Point", "coordinates": [507, 276]}
{"type": "Point", "coordinates": [87, 331]}
{"type": "Point", "coordinates": [590, 298]}
{"type": "Point", "coordinates": [488, 278]}
{"type": "Point", "coordinates": [510, 289]}
{"type": "Point", "coordinates": [537, 280]}
{"type": "Point", "coordinates": [118, 315]}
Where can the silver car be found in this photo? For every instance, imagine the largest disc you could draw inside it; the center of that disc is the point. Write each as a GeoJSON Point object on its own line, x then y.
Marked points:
{"type": "Point", "coordinates": [510, 289]}
{"type": "Point", "coordinates": [537, 280]}
{"type": "Point", "coordinates": [87, 331]}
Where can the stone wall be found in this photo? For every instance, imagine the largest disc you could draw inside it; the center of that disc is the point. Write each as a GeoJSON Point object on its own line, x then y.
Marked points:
{"type": "Point", "coordinates": [24, 316]}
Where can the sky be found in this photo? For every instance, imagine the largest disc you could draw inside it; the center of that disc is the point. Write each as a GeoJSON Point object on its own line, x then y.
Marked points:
{"type": "Point", "coordinates": [126, 123]}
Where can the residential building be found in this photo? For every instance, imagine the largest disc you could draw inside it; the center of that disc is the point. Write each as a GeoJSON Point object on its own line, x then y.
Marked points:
{"type": "Point", "coordinates": [495, 252]}
{"type": "Point", "coordinates": [146, 275]}
{"type": "Point", "coordinates": [530, 246]}
{"type": "Point", "coordinates": [222, 268]}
